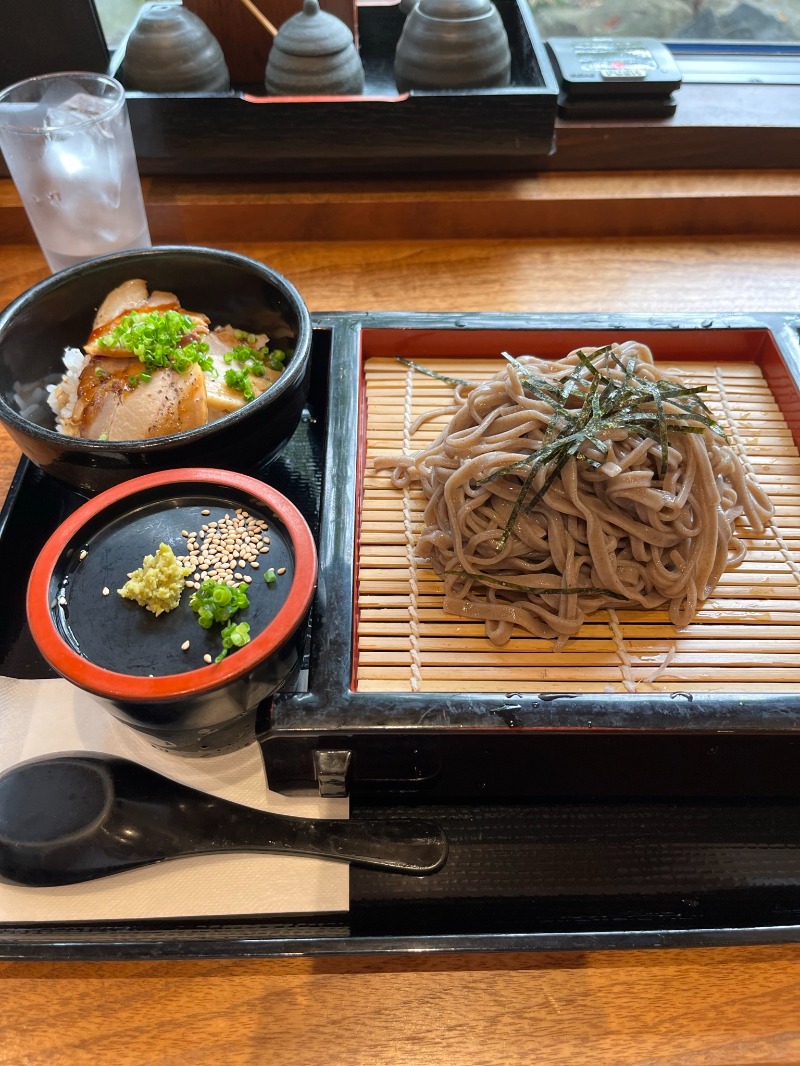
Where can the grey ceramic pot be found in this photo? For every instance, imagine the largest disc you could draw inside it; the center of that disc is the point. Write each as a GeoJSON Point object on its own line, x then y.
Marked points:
{"type": "Point", "coordinates": [452, 44]}
{"type": "Point", "coordinates": [314, 54]}
{"type": "Point", "coordinates": [171, 49]}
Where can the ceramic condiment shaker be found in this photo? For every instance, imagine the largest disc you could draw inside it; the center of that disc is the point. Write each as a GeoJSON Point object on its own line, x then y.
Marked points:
{"type": "Point", "coordinates": [314, 54]}
{"type": "Point", "coordinates": [170, 49]}
{"type": "Point", "coordinates": [452, 44]}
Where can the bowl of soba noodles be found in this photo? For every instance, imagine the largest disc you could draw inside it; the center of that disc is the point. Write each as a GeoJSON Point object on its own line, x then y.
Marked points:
{"type": "Point", "coordinates": [153, 359]}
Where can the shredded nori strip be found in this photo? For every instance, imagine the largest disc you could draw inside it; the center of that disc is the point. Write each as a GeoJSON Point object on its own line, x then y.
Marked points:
{"type": "Point", "coordinates": [586, 404]}
{"type": "Point", "coordinates": [490, 579]}
{"type": "Point", "coordinates": [432, 373]}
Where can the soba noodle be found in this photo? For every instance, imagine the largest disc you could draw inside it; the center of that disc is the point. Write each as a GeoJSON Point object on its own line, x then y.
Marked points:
{"type": "Point", "coordinates": [562, 487]}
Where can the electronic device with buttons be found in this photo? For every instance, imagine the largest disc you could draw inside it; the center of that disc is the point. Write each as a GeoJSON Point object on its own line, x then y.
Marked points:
{"type": "Point", "coordinates": [614, 77]}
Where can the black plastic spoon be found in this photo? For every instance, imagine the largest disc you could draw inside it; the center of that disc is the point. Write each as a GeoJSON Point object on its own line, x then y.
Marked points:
{"type": "Point", "coordinates": [74, 817]}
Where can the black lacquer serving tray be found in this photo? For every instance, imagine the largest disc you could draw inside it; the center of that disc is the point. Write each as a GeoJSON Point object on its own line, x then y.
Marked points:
{"type": "Point", "coordinates": [454, 742]}
{"type": "Point", "coordinates": [576, 821]}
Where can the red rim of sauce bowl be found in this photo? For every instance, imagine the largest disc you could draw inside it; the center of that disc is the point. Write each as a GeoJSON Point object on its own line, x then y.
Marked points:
{"type": "Point", "coordinates": [111, 684]}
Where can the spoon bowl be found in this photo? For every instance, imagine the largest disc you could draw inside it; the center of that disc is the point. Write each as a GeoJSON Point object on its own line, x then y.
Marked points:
{"type": "Point", "coordinates": [79, 816]}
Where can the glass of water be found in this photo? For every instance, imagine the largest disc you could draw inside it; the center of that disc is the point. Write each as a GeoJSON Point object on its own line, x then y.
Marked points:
{"type": "Point", "coordinates": [67, 143]}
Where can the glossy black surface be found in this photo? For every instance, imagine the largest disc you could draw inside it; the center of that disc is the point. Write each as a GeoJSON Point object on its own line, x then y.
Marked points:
{"type": "Point", "coordinates": [674, 832]}
{"type": "Point", "coordinates": [605, 865]}
{"type": "Point", "coordinates": [79, 816]}
{"type": "Point", "coordinates": [57, 313]}
{"type": "Point", "coordinates": [116, 633]}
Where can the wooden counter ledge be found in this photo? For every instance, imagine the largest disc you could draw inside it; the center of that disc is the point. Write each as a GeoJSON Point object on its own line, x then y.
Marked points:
{"type": "Point", "coordinates": [613, 244]}
{"type": "Point", "coordinates": [707, 1007]}
{"type": "Point", "coordinates": [689, 203]}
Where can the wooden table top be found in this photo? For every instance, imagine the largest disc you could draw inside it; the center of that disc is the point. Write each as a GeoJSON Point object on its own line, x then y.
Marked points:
{"type": "Point", "coordinates": [731, 1005]}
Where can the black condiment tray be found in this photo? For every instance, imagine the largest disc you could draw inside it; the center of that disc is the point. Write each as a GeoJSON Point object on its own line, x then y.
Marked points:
{"type": "Point", "coordinates": [575, 823]}
{"type": "Point", "coordinates": [382, 131]}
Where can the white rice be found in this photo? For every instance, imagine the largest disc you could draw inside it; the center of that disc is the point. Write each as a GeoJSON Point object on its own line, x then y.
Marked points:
{"type": "Point", "coordinates": [62, 397]}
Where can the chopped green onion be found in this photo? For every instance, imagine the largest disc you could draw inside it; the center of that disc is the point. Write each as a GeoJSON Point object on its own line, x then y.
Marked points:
{"type": "Point", "coordinates": [246, 358]}
{"type": "Point", "coordinates": [235, 635]}
{"type": "Point", "coordinates": [215, 601]}
{"type": "Point", "coordinates": [159, 339]}
{"type": "Point", "coordinates": [270, 577]}
{"type": "Point", "coordinates": [240, 381]}
{"type": "Point", "coordinates": [274, 359]}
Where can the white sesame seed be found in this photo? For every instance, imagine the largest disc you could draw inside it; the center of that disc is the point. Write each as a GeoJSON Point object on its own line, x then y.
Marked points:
{"type": "Point", "coordinates": [206, 658]}
{"type": "Point", "coordinates": [106, 590]}
{"type": "Point", "coordinates": [206, 511]}
{"type": "Point", "coordinates": [281, 570]}
{"type": "Point", "coordinates": [255, 564]}
{"type": "Point", "coordinates": [185, 646]}
{"type": "Point", "coordinates": [247, 578]}
{"type": "Point", "coordinates": [83, 554]}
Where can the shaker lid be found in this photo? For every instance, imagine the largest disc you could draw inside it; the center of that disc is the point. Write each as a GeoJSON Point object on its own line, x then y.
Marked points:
{"type": "Point", "coordinates": [455, 9]}
{"type": "Point", "coordinates": [312, 32]}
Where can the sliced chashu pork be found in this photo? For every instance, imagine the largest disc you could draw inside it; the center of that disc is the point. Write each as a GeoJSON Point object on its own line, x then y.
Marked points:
{"type": "Point", "coordinates": [130, 296]}
{"type": "Point", "coordinates": [110, 408]}
{"type": "Point", "coordinates": [222, 399]}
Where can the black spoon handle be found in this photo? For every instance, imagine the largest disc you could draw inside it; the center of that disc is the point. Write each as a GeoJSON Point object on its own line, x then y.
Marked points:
{"type": "Point", "coordinates": [406, 846]}
{"type": "Point", "coordinates": [73, 817]}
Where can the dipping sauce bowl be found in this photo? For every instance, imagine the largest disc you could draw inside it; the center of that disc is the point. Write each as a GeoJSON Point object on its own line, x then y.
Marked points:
{"type": "Point", "coordinates": [158, 673]}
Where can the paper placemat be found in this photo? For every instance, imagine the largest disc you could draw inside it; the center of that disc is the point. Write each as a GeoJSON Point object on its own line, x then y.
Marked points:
{"type": "Point", "coordinates": [45, 716]}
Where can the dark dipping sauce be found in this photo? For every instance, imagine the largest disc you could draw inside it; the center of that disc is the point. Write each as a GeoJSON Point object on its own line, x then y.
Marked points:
{"type": "Point", "coordinates": [120, 635]}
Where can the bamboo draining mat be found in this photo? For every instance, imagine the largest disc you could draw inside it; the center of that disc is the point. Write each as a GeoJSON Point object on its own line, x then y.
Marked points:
{"type": "Point", "coordinates": [746, 637]}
